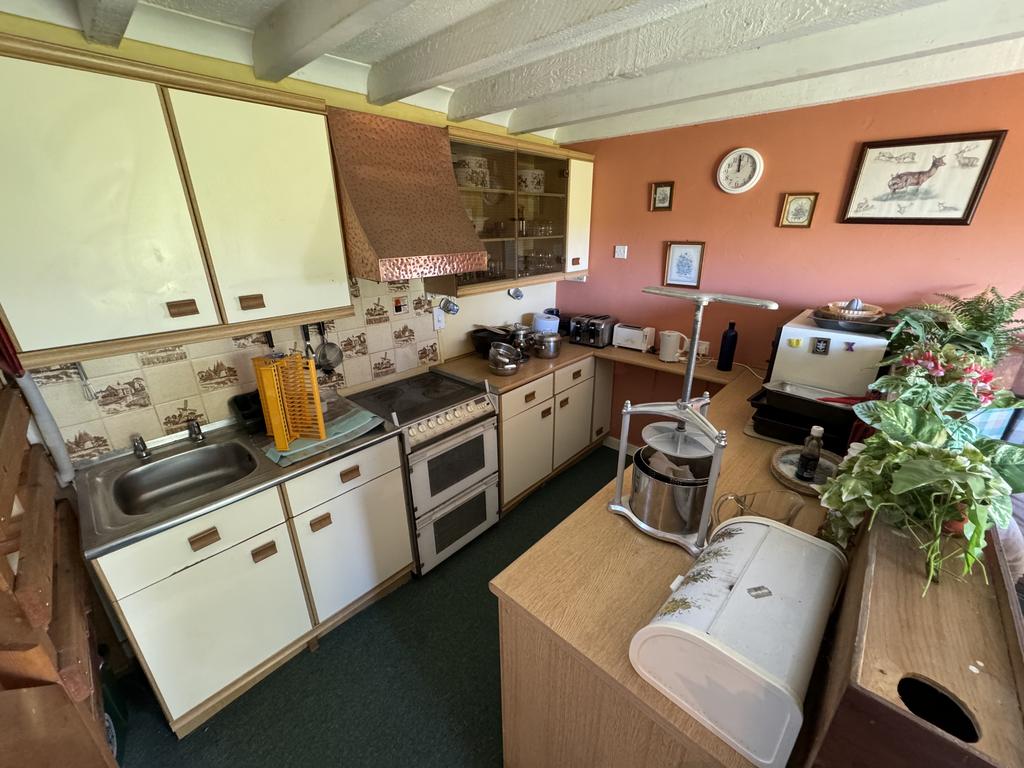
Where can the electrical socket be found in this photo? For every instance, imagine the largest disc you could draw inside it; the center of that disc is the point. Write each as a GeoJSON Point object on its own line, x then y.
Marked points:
{"type": "Point", "coordinates": [621, 251]}
{"type": "Point", "coordinates": [703, 347]}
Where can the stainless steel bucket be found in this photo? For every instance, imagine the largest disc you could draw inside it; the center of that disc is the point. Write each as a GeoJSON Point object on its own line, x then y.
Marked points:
{"type": "Point", "coordinates": [665, 503]}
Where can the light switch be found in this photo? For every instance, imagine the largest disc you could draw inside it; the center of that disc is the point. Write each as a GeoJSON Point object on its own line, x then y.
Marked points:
{"type": "Point", "coordinates": [620, 251]}
{"type": "Point", "coordinates": [438, 319]}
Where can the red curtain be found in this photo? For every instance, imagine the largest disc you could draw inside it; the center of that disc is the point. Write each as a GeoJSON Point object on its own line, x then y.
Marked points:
{"type": "Point", "coordinates": [8, 357]}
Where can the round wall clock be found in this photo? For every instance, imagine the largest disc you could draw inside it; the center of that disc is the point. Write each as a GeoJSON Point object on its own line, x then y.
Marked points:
{"type": "Point", "coordinates": [740, 170]}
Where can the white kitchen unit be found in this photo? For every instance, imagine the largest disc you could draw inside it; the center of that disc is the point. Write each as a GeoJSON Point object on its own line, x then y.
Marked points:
{"type": "Point", "coordinates": [573, 411]}
{"type": "Point", "coordinates": [601, 420]}
{"type": "Point", "coordinates": [210, 622]}
{"type": "Point", "coordinates": [267, 200]}
{"type": "Point", "coordinates": [527, 441]}
{"type": "Point", "coordinates": [355, 542]}
{"type": "Point", "coordinates": [577, 223]}
{"type": "Point", "coordinates": [98, 240]}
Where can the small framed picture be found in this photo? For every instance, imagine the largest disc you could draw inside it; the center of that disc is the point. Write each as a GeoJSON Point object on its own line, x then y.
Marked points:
{"type": "Point", "coordinates": [797, 209]}
{"type": "Point", "coordinates": [661, 196]}
{"type": "Point", "coordinates": [683, 263]}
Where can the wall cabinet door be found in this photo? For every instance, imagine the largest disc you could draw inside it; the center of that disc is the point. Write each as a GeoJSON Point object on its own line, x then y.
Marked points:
{"type": "Point", "coordinates": [355, 542]}
{"type": "Point", "coordinates": [577, 232]}
{"type": "Point", "coordinates": [601, 422]}
{"type": "Point", "coordinates": [208, 625]}
{"type": "Point", "coordinates": [573, 410]}
{"type": "Point", "coordinates": [526, 443]}
{"type": "Point", "coordinates": [98, 243]}
{"type": "Point", "coordinates": [266, 196]}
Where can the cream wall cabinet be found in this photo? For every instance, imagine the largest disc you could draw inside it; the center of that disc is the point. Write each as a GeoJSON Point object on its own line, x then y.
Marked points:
{"type": "Point", "coordinates": [601, 421]}
{"type": "Point", "coordinates": [526, 449]}
{"type": "Point", "coordinates": [573, 409]}
{"type": "Point", "coordinates": [98, 242]}
{"type": "Point", "coordinates": [208, 625]}
{"type": "Point", "coordinates": [577, 224]}
{"type": "Point", "coordinates": [266, 196]}
{"type": "Point", "coordinates": [355, 542]}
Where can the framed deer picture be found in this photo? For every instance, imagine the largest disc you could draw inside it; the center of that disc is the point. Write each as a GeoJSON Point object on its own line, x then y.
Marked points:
{"type": "Point", "coordinates": [928, 180]}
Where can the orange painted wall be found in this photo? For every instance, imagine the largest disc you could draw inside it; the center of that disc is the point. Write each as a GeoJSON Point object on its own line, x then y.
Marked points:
{"type": "Point", "coordinates": [811, 149]}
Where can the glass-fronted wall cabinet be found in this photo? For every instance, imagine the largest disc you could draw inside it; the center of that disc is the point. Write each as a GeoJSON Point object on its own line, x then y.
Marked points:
{"type": "Point", "coordinates": [519, 204]}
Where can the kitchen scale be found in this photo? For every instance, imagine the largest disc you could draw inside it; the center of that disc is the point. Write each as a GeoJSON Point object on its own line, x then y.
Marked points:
{"type": "Point", "coordinates": [677, 468]}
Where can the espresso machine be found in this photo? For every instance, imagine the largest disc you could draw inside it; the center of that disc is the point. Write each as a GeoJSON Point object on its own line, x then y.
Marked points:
{"type": "Point", "coordinates": [677, 468]}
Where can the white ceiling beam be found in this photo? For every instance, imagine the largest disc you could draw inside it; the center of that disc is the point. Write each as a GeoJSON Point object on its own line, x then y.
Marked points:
{"type": "Point", "coordinates": [520, 31]}
{"type": "Point", "coordinates": [299, 31]}
{"type": "Point", "coordinates": [697, 35]}
{"type": "Point", "coordinates": [950, 26]}
{"type": "Point", "coordinates": [104, 21]}
{"type": "Point", "coordinates": [994, 59]}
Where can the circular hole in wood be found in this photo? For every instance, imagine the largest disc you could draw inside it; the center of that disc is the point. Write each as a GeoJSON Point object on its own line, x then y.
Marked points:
{"type": "Point", "coordinates": [938, 707]}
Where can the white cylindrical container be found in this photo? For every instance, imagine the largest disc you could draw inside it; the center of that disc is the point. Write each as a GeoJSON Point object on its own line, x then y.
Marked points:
{"type": "Point", "coordinates": [668, 349]}
{"type": "Point", "coordinates": [735, 643]}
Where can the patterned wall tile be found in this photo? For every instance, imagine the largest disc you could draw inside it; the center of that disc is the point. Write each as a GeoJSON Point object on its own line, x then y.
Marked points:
{"type": "Point", "coordinates": [163, 356]}
{"type": "Point", "coordinates": [219, 371]}
{"type": "Point", "coordinates": [402, 334]}
{"type": "Point", "coordinates": [354, 344]}
{"type": "Point", "coordinates": [68, 404]}
{"type": "Point", "coordinates": [174, 416]}
{"type": "Point", "coordinates": [86, 441]}
{"type": "Point", "coordinates": [428, 353]}
{"type": "Point", "coordinates": [400, 306]}
{"type": "Point", "coordinates": [56, 374]}
{"type": "Point", "coordinates": [120, 393]}
{"type": "Point", "coordinates": [331, 382]}
{"type": "Point", "coordinates": [375, 311]}
{"type": "Point", "coordinates": [382, 364]}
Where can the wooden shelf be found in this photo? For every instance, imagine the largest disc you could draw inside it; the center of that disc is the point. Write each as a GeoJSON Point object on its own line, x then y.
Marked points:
{"type": "Point", "coordinates": [542, 194]}
{"type": "Point", "coordinates": [486, 190]}
{"type": "Point", "coordinates": [445, 285]}
{"type": "Point", "coordinates": [496, 239]}
{"type": "Point", "coordinates": [703, 372]}
{"type": "Point", "coordinates": [541, 237]}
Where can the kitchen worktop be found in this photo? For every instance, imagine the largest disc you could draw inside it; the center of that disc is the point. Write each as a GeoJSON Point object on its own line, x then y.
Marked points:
{"type": "Point", "coordinates": [595, 580]}
{"type": "Point", "coordinates": [474, 369]}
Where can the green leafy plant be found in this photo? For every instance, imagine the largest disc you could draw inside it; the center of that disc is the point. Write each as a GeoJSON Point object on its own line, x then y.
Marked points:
{"type": "Point", "coordinates": [926, 469]}
{"type": "Point", "coordinates": [989, 312]}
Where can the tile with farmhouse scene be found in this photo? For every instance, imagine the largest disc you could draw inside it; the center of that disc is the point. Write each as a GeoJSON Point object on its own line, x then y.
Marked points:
{"type": "Point", "coordinates": [422, 305]}
{"type": "Point", "coordinates": [254, 343]}
{"type": "Point", "coordinates": [220, 371]}
{"type": "Point", "coordinates": [331, 382]}
{"type": "Point", "coordinates": [375, 312]}
{"type": "Point", "coordinates": [124, 392]}
{"type": "Point", "coordinates": [86, 441]}
{"type": "Point", "coordinates": [428, 353]}
{"type": "Point", "coordinates": [354, 344]}
{"type": "Point", "coordinates": [174, 416]}
{"type": "Point", "coordinates": [55, 374]}
{"type": "Point", "coordinates": [383, 364]}
{"type": "Point", "coordinates": [398, 286]}
{"type": "Point", "coordinates": [402, 334]}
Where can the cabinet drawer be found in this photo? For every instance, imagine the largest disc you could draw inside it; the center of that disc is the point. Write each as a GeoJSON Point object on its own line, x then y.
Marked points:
{"type": "Point", "coordinates": [573, 409]}
{"type": "Point", "coordinates": [354, 542]}
{"type": "Point", "coordinates": [343, 475]}
{"type": "Point", "coordinates": [526, 396]}
{"type": "Point", "coordinates": [526, 444]}
{"type": "Point", "coordinates": [574, 374]}
{"type": "Point", "coordinates": [150, 560]}
{"type": "Point", "coordinates": [208, 625]}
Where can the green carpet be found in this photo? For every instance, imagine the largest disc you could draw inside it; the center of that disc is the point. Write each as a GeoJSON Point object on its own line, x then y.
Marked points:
{"type": "Point", "coordinates": [411, 681]}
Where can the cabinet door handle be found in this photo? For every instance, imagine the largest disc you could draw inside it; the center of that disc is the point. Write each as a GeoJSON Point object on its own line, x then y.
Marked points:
{"type": "Point", "coordinates": [204, 539]}
{"type": "Point", "coordinates": [546, 412]}
{"type": "Point", "coordinates": [320, 522]}
{"type": "Point", "coordinates": [577, 373]}
{"type": "Point", "coordinates": [563, 402]}
{"type": "Point", "coordinates": [265, 551]}
{"type": "Point", "coordinates": [530, 397]}
{"type": "Point", "coordinates": [183, 308]}
{"type": "Point", "coordinates": [576, 261]}
{"type": "Point", "coordinates": [350, 474]}
{"type": "Point", "coordinates": [599, 430]}
{"type": "Point", "coordinates": [252, 301]}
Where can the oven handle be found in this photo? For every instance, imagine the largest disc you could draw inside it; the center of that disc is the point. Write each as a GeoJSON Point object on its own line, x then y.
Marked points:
{"type": "Point", "coordinates": [432, 517]}
{"type": "Point", "coordinates": [432, 450]}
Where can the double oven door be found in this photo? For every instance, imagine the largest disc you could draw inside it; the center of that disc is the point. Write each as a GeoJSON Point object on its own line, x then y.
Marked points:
{"type": "Point", "coordinates": [454, 488]}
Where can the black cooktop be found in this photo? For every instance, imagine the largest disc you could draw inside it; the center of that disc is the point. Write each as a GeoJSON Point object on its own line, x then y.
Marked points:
{"type": "Point", "coordinates": [413, 398]}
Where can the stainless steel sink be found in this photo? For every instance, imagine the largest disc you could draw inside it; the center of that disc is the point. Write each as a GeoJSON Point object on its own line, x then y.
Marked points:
{"type": "Point", "coordinates": [166, 482]}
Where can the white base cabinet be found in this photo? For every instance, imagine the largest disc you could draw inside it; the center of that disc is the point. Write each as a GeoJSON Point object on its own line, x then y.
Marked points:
{"type": "Point", "coordinates": [526, 449]}
{"type": "Point", "coordinates": [601, 421]}
{"type": "Point", "coordinates": [573, 409]}
{"type": "Point", "coordinates": [205, 626]}
{"type": "Point", "coordinates": [354, 542]}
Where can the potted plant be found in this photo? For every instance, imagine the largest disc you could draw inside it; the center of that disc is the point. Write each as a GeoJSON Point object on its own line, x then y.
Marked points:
{"type": "Point", "coordinates": [926, 469]}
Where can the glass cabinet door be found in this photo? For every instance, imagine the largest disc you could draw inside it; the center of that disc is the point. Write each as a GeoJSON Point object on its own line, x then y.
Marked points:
{"type": "Point", "coordinates": [541, 185]}
{"type": "Point", "coordinates": [486, 179]}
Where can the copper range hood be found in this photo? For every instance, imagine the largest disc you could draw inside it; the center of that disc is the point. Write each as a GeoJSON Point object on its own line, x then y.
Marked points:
{"type": "Point", "coordinates": [400, 208]}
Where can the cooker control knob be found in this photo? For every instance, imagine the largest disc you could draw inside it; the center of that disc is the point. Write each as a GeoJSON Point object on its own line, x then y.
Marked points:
{"type": "Point", "coordinates": [448, 416]}
{"type": "Point", "coordinates": [458, 412]}
{"type": "Point", "coordinates": [422, 427]}
{"type": "Point", "coordinates": [412, 433]}
{"type": "Point", "coordinates": [471, 407]}
{"type": "Point", "coordinates": [430, 423]}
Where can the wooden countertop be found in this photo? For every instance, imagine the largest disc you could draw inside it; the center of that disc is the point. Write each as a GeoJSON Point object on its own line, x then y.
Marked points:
{"type": "Point", "coordinates": [595, 579]}
{"type": "Point", "coordinates": [473, 369]}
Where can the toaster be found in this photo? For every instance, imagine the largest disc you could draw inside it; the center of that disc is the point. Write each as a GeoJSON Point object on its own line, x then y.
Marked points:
{"type": "Point", "coordinates": [591, 330]}
{"type": "Point", "coordinates": [633, 337]}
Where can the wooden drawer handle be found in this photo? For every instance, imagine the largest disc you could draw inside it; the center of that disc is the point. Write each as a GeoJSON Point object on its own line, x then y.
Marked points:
{"type": "Point", "coordinates": [563, 402]}
{"type": "Point", "coordinates": [530, 397]}
{"type": "Point", "coordinates": [350, 474]}
{"type": "Point", "coordinates": [204, 539]}
{"type": "Point", "coordinates": [252, 301]}
{"type": "Point", "coordinates": [576, 261]}
{"type": "Point", "coordinates": [183, 308]}
{"type": "Point", "coordinates": [320, 522]}
{"type": "Point", "coordinates": [262, 553]}
{"type": "Point", "coordinates": [599, 430]}
{"type": "Point", "coordinates": [546, 412]}
{"type": "Point", "coordinates": [577, 373]}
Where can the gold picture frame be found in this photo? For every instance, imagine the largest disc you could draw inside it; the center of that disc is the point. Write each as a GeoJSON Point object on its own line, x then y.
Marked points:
{"type": "Point", "coordinates": [798, 209]}
{"type": "Point", "coordinates": [661, 194]}
{"type": "Point", "coordinates": [684, 262]}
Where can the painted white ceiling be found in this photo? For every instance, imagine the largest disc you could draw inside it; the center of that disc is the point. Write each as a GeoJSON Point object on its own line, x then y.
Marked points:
{"type": "Point", "coordinates": [580, 69]}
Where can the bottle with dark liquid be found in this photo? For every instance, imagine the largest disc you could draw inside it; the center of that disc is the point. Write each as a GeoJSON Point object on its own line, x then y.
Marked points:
{"type": "Point", "coordinates": [807, 465]}
{"type": "Point", "coordinates": [728, 349]}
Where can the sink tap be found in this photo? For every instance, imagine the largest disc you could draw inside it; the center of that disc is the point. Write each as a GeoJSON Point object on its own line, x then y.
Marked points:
{"type": "Point", "coordinates": [139, 448]}
{"type": "Point", "coordinates": [195, 432]}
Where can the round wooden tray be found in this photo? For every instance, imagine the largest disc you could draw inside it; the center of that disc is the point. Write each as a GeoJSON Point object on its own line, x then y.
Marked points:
{"type": "Point", "coordinates": [783, 466]}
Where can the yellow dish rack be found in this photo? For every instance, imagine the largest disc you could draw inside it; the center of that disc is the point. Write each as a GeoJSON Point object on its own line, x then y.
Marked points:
{"type": "Point", "coordinates": [290, 397]}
